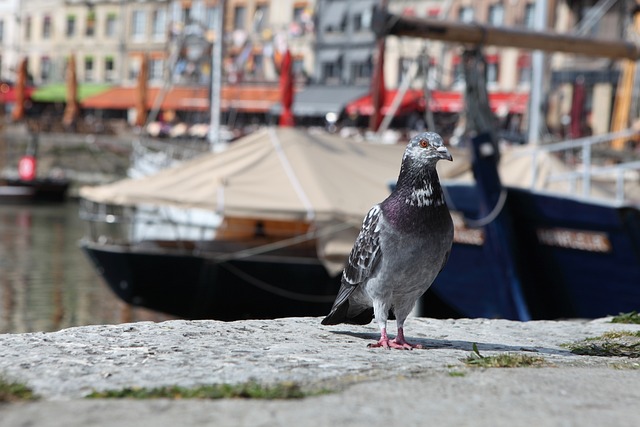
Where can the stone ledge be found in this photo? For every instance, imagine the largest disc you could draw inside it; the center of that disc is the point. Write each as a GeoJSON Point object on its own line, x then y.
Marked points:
{"type": "Point", "coordinates": [70, 363]}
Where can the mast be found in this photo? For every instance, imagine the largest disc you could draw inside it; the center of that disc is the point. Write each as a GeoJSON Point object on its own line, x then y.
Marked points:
{"type": "Point", "coordinates": [216, 82]}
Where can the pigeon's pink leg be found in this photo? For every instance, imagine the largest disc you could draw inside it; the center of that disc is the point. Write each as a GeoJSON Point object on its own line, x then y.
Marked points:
{"type": "Point", "coordinates": [383, 341]}
{"type": "Point", "coordinates": [398, 342]}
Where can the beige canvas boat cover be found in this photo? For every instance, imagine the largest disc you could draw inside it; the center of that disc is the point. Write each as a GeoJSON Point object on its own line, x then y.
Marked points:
{"type": "Point", "coordinates": [277, 173]}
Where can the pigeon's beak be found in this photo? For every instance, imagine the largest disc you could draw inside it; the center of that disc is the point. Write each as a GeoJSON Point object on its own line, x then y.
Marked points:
{"type": "Point", "coordinates": [444, 153]}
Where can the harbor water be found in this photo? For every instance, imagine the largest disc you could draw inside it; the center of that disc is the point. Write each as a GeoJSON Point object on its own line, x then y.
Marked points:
{"type": "Point", "coordinates": [46, 281]}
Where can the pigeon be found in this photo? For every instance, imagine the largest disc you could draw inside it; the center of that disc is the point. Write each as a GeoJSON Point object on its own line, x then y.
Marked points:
{"type": "Point", "coordinates": [402, 246]}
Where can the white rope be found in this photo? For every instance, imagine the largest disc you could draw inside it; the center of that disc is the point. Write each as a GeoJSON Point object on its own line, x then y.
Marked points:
{"type": "Point", "coordinates": [480, 222]}
{"type": "Point", "coordinates": [291, 174]}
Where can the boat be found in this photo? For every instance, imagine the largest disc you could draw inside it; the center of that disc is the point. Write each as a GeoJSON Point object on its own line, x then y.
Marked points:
{"type": "Point", "coordinates": [39, 190]}
{"type": "Point", "coordinates": [266, 225]}
{"type": "Point", "coordinates": [27, 186]}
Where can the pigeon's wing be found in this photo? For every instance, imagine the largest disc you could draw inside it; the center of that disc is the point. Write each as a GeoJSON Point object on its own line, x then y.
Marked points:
{"type": "Point", "coordinates": [363, 258]}
{"type": "Point", "coordinates": [366, 251]}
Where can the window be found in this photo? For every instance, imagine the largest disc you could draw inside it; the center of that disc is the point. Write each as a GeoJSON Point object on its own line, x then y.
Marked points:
{"type": "Point", "coordinates": [156, 68]}
{"type": "Point", "coordinates": [46, 27]}
{"type": "Point", "coordinates": [159, 24]}
{"type": "Point", "coordinates": [70, 30]}
{"type": "Point", "coordinates": [524, 69]}
{"type": "Point", "coordinates": [27, 28]}
{"type": "Point", "coordinates": [110, 25]}
{"type": "Point", "coordinates": [298, 67]}
{"type": "Point", "coordinates": [88, 68]}
{"type": "Point", "coordinates": [362, 21]}
{"type": "Point", "coordinates": [90, 29]}
{"type": "Point", "coordinates": [298, 13]}
{"type": "Point", "coordinates": [212, 17]}
{"type": "Point", "coordinates": [109, 69]}
{"type": "Point", "coordinates": [134, 67]}
{"type": "Point", "coordinates": [332, 71]}
{"type": "Point", "coordinates": [458, 72]}
{"type": "Point", "coordinates": [261, 18]}
{"type": "Point", "coordinates": [493, 69]}
{"type": "Point", "coordinates": [466, 14]}
{"type": "Point", "coordinates": [138, 25]}
{"type": "Point", "coordinates": [239, 17]}
{"type": "Point", "coordinates": [45, 68]}
{"type": "Point", "coordinates": [529, 15]}
{"type": "Point", "coordinates": [185, 12]}
{"type": "Point", "coordinates": [496, 15]}
{"type": "Point", "coordinates": [301, 22]}
{"type": "Point", "coordinates": [362, 71]}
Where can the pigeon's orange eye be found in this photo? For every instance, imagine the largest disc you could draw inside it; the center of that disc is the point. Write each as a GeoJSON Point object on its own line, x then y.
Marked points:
{"type": "Point", "coordinates": [423, 143]}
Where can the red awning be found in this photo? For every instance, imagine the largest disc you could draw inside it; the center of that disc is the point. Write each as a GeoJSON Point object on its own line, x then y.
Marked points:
{"type": "Point", "coordinates": [413, 100]}
{"type": "Point", "coordinates": [440, 102]}
{"type": "Point", "coordinates": [8, 93]}
{"type": "Point", "coordinates": [253, 99]}
{"type": "Point", "coordinates": [501, 102]}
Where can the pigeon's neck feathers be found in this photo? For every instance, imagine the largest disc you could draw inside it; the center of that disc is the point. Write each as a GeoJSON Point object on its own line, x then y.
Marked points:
{"type": "Point", "coordinates": [418, 185]}
{"type": "Point", "coordinates": [417, 202]}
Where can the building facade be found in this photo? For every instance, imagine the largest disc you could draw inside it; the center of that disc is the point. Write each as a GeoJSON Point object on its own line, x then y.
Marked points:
{"type": "Point", "coordinates": [109, 37]}
{"type": "Point", "coordinates": [331, 41]}
{"type": "Point", "coordinates": [9, 38]}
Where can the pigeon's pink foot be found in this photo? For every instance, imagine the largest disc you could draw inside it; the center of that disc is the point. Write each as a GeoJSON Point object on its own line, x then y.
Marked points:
{"type": "Point", "coordinates": [383, 341]}
{"type": "Point", "coordinates": [403, 345]}
{"type": "Point", "coordinates": [398, 342]}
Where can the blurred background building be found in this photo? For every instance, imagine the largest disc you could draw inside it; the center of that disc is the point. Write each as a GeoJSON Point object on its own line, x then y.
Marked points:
{"type": "Point", "coordinates": [333, 50]}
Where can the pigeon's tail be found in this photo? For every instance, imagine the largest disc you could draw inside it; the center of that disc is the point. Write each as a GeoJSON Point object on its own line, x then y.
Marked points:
{"type": "Point", "coordinates": [339, 315]}
{"type": "Point", "coordinates": [340, 312]}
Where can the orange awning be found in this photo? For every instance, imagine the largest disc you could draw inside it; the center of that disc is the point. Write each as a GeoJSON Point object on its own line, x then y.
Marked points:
{"type": "Point", "coordinates": [252, 99]}
{"type": "Point", "coordinates": [500, 102]}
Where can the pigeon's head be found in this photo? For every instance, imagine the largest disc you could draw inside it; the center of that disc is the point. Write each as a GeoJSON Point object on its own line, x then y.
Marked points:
{"type": "Point", "coordinates": [427, 147]}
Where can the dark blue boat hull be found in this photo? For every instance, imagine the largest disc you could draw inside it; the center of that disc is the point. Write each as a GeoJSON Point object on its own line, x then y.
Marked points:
{"type": "Point", "coordinates": [572, 258]}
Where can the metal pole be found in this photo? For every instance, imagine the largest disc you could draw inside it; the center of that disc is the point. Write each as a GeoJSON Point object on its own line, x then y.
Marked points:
{"type": "Point", "coordinates": [216, 82]}
{"type": "Point", "coordinates": [537, 69]}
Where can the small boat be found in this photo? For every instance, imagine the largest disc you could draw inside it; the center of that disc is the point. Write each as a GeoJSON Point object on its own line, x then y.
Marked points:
{"type": "Point", "coordinates": [28, 187]}
{"type": "Point", "coordinates": [36, 190]}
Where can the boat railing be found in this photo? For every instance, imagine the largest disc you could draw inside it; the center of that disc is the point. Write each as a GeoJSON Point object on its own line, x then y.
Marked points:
{"type": "Point", "coordinates": [119, 224]}
{"type": "Point", "coordinates": [588, 171]}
